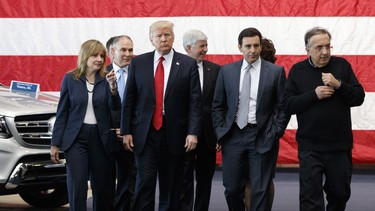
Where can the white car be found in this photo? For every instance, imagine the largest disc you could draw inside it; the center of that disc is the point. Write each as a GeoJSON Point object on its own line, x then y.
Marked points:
{"type": "Point", "coordinates": [25, 134]}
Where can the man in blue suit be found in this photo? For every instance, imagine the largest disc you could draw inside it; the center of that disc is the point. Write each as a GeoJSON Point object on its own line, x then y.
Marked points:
{"type": "Point", "coordinates": [248, 120]}
{"type": "Point", "coordinates": [161, 118]}
{"type": "Point", "coordinates": [121, 52]}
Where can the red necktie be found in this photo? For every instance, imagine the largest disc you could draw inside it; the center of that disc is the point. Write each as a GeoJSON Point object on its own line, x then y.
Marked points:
{"type": "Point", "coordinates": [157, 118]}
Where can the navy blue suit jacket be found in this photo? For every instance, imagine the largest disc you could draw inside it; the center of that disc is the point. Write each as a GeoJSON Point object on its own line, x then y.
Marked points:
{"type": "Point", "coordinates": [271, 120]}
{"type": "Point", "coordinates": [182, 101]}
{"type": "Point", "coordinates": [71, 111]}
{"type": "Point", "coordinates": [210, 73]}
{"type": "Point", "coordinates": [116, 114]}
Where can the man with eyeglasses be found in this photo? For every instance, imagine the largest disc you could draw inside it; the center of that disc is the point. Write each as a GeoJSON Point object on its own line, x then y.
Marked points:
{"type": "Point", "coordinates": [320, 90]}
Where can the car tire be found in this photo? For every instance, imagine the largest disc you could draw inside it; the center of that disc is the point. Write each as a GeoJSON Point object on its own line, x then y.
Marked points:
{"type": "Point", "coordinates": [46, 198]}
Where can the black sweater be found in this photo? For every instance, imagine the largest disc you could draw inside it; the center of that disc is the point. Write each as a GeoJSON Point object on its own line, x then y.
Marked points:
{"type": "Point", "coordinates": [323, 125]}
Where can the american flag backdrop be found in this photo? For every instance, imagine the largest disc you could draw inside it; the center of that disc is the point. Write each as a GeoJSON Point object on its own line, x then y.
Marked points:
{"type": "Point", "coordinates": [40, 40]}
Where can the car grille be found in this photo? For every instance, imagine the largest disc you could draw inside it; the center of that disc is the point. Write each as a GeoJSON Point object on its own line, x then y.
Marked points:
{"type": "Point", "coordinates": [35, 129]}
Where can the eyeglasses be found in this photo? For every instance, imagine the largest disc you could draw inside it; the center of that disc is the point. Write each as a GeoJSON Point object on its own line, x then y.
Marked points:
{"type": "Point", "coordinates": [319, 48]}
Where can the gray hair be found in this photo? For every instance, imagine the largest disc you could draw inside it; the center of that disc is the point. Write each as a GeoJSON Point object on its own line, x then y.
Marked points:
{"type": "Point", "coordinates": [191, 37]}
{"type": "Point", "coordinates": [315, 31]}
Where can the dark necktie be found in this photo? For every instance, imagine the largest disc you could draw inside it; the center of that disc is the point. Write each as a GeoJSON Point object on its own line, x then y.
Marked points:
{"type": "Point", "coordinates": [157, 118]}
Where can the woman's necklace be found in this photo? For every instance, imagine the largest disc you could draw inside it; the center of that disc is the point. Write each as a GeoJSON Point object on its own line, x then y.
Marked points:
{"type": "Point", "coordinates": [92, 83]}
{"type": "Point", "coordinates": [89, 86]}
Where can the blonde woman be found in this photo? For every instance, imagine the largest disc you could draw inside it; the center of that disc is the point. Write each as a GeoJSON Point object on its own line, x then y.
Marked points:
{"type": "Point", "coordinates": [82, 128]}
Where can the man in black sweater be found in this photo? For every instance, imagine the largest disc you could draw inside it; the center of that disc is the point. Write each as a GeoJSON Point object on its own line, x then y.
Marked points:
{"type": "Point", "coordinates": [320, 91]}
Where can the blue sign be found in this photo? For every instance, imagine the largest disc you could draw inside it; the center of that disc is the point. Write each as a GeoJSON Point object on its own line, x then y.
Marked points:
{"type": "Point", "coordinates": [26, 88]}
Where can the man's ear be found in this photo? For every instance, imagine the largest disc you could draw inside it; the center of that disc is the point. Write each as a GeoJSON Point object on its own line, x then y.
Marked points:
{"type": "Point", "coordinates": [240, 48]}
{"type": "Point", "coordinates": [112, 52]}
{"type": "Point", "coordinates": [188, 48]}
{"type": "Point", "coordinates": [307, 51]}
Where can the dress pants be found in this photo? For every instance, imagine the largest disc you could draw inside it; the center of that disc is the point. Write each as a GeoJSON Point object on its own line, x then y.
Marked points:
{"type": "Point", "coordinates": [156, 161]}
{"type": "Point", "coordinates": [242, 161]}
{"type": "Point", "coordinates": [203, 161]}
{"type": "Point", "coordinates": [126, 175]}
{"type": "Point", "coordinates": [87, 159]}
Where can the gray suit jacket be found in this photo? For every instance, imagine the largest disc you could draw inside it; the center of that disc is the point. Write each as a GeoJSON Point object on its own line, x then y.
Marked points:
{"type": "Point", "coordinates": [271, 121]}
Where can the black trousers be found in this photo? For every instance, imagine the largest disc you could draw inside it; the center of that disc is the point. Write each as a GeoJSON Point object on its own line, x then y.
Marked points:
{"type": "Point", "coordinates": [336, 167]}
{"type": "Point", "coordinates": [157, 162]}
{"type": "Point", "coordinates": [202, 161]}
{"type": "Point", "coordinates": [125, 172]}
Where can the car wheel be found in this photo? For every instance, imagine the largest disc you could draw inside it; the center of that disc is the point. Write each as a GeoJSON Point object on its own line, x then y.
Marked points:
{"type": "Point", "coordinates": [46, 198]}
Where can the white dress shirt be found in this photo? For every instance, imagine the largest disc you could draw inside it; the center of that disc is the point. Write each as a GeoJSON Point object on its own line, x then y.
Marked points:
{"type": "Point", "coordinates": [255, 73]}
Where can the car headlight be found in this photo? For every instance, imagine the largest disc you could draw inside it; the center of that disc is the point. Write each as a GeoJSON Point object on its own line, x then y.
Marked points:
{"type": "Point", "coordinates": [4, 130]}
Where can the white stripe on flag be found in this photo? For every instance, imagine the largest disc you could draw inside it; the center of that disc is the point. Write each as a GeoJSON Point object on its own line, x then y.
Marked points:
{"type": "Point", "coordinates": [63, 36]}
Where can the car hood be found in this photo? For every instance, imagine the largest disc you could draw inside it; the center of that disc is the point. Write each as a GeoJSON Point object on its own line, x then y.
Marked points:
{"type": "Point", "coordinates": [16, 104]}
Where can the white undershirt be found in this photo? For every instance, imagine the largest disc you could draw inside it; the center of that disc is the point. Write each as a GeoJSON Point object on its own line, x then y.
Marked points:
{"type": "Point", "coordinates": [200, 70]}
{"type": "Point", "coordinates": [90, 114]}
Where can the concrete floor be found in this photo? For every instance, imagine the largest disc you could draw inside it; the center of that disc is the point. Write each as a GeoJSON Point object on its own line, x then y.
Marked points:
{"type": "Point", "coordinates": [286, 195]}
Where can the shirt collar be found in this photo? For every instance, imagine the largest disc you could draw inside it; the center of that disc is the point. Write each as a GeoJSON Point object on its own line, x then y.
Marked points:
{"type": "Point", "coordinates": [314, 66]}
{"type": "Point", "coordinates": [168, 57]}
{"type": "Point", "coordinates": [200, 64]}
{"type": "Point", "coordinates": [116, 68]}
{"type": "Point", "coordinates": [256, 64]}
{"type": "Point", "coordinates": [311, 63]}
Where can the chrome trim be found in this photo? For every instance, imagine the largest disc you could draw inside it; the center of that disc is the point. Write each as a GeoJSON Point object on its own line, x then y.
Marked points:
{"type": "Point", "coordinates": [18, 174]}
{"type": "Point", "coordinates": [36, 131]}
{"type": "Point", "coordinates": [36, 135]}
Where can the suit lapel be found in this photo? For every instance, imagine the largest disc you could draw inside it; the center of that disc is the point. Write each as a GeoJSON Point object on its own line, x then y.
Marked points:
{"type": "Point", "coordinates": [175, 67]}
{"type": "Point", "coordinates": [233, 76]}
{"type": "Point", "coordinates": [237, 78]}
{"type": "Point", "coordinates": [149, 72]}
{"type": "Point", "coordinates": [264, 70]}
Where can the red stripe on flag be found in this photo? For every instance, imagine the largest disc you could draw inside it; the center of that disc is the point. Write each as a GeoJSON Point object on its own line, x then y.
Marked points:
{"type": "Point", "coordinates": [363, 150]}
{"type": "Point", "coordinates": [49, 70]}
{"type": "Point", "coordinates": [364, 146]}
{"type": "Point", "coordinates": [171, 8]}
